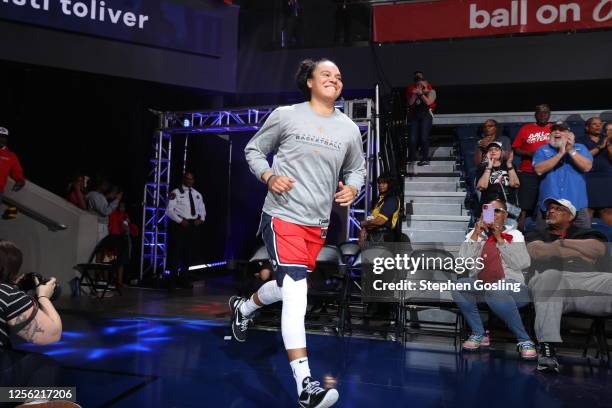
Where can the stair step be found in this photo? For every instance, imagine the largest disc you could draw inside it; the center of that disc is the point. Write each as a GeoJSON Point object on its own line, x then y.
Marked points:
{"type": "Point", "coordinates": [435, 197]}
{"type": "Point", "coordinates": [441, 151]}
{"type": "Point", "coordinates": [434, 175]}
{"type": "Point", "coordinates": [443, 159]}
{"type": "Point", "coordinates": [442, 186]}
{"type": "Point", "coordinates": [435, 236]}
{"type": "Point", "coordinates": [437, 225]}
{"type": "Point", "coordinates": [432, 178]}
{"type": "Point", "coordinates": [439, 194]}
{"type": "Point", "coordinates": [433, 167]}
{"type": "Point", "coordinates": [435, 209]}
{"type": "Point", "coordinates": [438, 217]}
{"type": "Point", "coordinates": [453, 248]}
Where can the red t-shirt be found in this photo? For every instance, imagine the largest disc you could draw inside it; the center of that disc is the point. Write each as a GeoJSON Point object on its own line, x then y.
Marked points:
{"type": "Point", "coordinates": [411, 89]}
{"type": "Point", "coordinates": [9, 166]}
{"type": "Point", "coordinates": [530, 137]}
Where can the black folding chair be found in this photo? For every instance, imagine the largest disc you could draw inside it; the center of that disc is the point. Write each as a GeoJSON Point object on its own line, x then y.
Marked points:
{"type": "Point", "coordinates": [97, 276]}
{"type": "Point", "coordinates": [326, 289]}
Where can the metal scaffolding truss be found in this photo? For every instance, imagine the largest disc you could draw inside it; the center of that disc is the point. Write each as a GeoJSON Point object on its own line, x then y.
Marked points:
{"type": "Point", "coordinates": [157, 189]}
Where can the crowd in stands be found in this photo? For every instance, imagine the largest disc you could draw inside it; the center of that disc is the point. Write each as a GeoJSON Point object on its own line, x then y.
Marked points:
{"type": "Point", "coordinates": [551, 179]}
{"type": "Point", "coordinates": [115, 230]}
{"type": "Point", "coordinates": [543, 160]}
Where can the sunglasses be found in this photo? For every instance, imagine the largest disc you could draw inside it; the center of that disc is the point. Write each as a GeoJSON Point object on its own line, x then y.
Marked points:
{"type": "Point", "coordinates": [500, 211]}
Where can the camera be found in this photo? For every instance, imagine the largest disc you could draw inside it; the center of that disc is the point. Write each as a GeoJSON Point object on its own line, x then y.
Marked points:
{"type": "Point", "coordinates": [28, 283]}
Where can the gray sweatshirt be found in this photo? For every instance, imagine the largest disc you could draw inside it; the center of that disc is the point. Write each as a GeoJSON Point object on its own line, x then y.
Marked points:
{"type": "Point", "coordinates": [99, 205]}
{"type": "Point", "coordinates": [514, 255]}
{"type": "Point", "coordinates": [316, 151]}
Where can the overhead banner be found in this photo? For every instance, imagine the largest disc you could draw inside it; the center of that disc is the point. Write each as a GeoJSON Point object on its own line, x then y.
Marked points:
{"type": "Point", "coordinates": [459, 18]}
{"type": "Point", "coordinates": [159, 23]}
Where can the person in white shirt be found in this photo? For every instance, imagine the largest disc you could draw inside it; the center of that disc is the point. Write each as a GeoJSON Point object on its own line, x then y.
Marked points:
{"type": "Point", "coordinates": [187, 213]}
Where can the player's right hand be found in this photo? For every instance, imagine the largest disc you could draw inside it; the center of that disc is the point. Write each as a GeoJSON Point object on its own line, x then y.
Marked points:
{"type": "Point", "coordinates": [280, 184]}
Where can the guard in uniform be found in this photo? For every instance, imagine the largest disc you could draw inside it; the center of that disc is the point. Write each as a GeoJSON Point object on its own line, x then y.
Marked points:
{"type": "Point", "coordinates": [187, 212]}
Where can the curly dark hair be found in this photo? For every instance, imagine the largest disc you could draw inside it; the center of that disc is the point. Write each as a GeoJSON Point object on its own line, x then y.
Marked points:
{"type": "Point", "coordinates": [11, 259]}
{"type": "Point", "coordinates": [304, 73]}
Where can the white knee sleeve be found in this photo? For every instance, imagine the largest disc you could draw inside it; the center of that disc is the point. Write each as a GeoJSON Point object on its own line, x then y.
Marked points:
{"type": "Point", "coordinates": [294, 309]}
{"type": "Point", "coordinates": [269, 293]}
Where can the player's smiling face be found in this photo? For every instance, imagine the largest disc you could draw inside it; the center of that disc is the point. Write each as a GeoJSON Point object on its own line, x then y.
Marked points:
{"type": "Point", "coordinates": [326, 82]}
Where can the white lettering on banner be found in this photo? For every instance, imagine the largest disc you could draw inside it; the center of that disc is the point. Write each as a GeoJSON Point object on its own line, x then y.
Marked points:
{"type": "Point", "coordinates": [500, 17]}
{"type": "Point", "coordinates": [597, 12]}
{"type": "Point", "coordinates": [95, 10]}
{"type": "Point", "coordinates": [547, 14]}
{"type": "Point", "coordinates": [33, 3]}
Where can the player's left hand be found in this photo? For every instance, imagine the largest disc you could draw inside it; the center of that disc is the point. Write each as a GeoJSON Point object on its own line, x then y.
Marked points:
{"type": "Point", "coordinates": [346, 195]}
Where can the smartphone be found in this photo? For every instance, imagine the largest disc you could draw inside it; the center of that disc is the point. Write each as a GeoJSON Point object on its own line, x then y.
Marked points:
{"type": "Point", "coordinates": [488, 213]}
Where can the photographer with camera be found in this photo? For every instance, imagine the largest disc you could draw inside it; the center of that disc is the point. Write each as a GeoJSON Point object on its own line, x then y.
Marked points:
{"type": "Point", "coordinates": [34, 319]}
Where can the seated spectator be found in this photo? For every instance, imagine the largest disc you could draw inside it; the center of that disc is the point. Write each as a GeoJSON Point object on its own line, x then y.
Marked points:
{"type": "Point", "coordinates": [598, 179]}
{"type": "Point", "coordinates": [76, 192]}
{"type": "Point", "coordinates": [98, 204]}
{"type": "Point", "coordinates": [567, 260]}
{"type": "Point", "coordinates": [504, 256]}
{"type": "Point", "coordinates": [496, 179]}
{"type": "Point", "coordinates": [9, 165]}
{"type": "Point", "coordinates": [122, 231]}
{"type": "Point", "coordinates": [529, 138]}
{"type": "Point", "coordinates": [562, 163]}
{"type": "Point", "coordinates": [490, 134]}
{"type": "Point", "coordinates": [380, 225]}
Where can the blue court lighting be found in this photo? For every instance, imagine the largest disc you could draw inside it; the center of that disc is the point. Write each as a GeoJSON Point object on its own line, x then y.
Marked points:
{"type": "Point", "coordinates": [134, 347]}
{"type": "Point", "coordinates": [61, 351]}
{"type": "Point", "coordinates": [72, 335]}
{"type": "Point", "coordinates": [153, 330]}
{"type": "Point", "coordinates": [114, 329]}
{"type": "Point", "coordinates": [97, 353]}
{"type": "Point", "coordinates": [155, 339]}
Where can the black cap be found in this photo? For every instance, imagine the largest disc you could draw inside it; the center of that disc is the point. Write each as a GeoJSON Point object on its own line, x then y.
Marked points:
{"type": "Point", "coordinates": [560, 125]}
{"type": "Point", "coordinates": [495, 144]}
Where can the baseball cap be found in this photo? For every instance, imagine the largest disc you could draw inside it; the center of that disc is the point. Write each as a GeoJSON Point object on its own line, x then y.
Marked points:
{"type": "Point", "coordinates": [560, 125]}
{"type": "Point", "coordinates": [494, 144]}
{"type": "Point", "coordinates": [4, 131]}
{"type": "Point", "coordinates": [562, 202]}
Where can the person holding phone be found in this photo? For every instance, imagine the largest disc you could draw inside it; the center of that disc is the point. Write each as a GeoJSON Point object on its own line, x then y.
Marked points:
{"type": "Point", "coordinates": [497, 178]}
{"type": "Point", "coordinates": [504, 256]}
{"type": "Point", "coordinates": [421, 99]}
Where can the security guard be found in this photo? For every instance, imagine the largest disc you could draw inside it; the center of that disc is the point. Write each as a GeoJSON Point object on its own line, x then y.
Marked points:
{"type": "Point", "coordinates": [187, 212]}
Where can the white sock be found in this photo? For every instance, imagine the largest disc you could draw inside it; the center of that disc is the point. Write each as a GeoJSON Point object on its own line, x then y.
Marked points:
{"type": "Point", "coordinates": [300, 371]}
{"type": "Point", "coordinates": [247, 308]}
{"type": "Point", "coordinates": [268, 293]}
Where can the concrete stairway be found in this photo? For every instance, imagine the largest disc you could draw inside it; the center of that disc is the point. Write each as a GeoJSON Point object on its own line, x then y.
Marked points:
{"type": "Point", "coordinates": [435, 211]}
